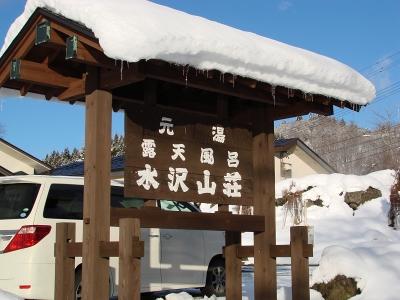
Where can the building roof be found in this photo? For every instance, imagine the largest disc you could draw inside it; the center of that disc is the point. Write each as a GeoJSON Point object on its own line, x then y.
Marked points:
{"type": "Point", "coordinates": [135, 30]}
{"type": "Point", "coordinates": [284, 145]}
{"type": "Point", "coordinates": [117, 163]}
{"type": "Point", "coordinates": [38, 165]}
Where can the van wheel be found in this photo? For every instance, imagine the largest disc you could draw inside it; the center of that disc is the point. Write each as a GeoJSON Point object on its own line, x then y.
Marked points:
{"type": "Point", "coordinates": [215, 281]}
{"type": "Point", "coordinates": [78, 284]}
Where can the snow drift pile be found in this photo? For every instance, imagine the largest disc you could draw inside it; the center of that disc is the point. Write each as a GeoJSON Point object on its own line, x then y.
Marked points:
{"type": "Point", "coordinates": [132, 30]}
{"type": "Point", "coordinates": [355, 243]}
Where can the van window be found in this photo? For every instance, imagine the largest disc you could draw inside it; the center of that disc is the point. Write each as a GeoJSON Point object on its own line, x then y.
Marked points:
{"type": "Point", "coordinates": [17, 199]}
{"type": "Point", "coordinates": [65, 201]}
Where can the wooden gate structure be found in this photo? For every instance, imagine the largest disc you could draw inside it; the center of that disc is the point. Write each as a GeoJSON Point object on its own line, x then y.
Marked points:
{"type": "Point", "coordinates": [170, 111]}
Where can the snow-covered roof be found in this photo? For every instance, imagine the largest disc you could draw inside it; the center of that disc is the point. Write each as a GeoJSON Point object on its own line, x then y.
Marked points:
{"type": "Point", "coordinates": [132, 30]}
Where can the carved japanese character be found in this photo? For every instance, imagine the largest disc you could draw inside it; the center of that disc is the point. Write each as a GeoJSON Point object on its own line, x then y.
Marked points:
{"type": "Point", "coordinates": [207, 156]}
{"type": "Point", "coordinates": [149, 148]}
{"type": "Point", "coordinates": [177, 179]}
{"type": "Point", "coordinates": [231, 186]}
{"type": "Point", "coordinates": [179, 150]}
{"type": "Point", "coordinates": [218, 134]}
{"type": "Point", "coordinates": [233, 159]}
{"type": "Point", "coordinates": [166, 125]}
{"type": "Point", "coordinates": [148, 178]}
{"type": "Point", "coordinates": [208, 187]}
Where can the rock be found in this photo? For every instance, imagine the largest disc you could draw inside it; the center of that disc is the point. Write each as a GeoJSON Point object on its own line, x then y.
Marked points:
{"type": "Point", "coordinates": [339, 288]}
{"type": "Point", "coordinates": [355, 199]}
{"type": "Point", "coordinates": [317, 202]}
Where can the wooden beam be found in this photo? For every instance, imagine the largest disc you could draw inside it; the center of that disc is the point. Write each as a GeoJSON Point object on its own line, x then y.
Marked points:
{"type": "Point", "coordinates": [96, 206]}
{"type": "Point", "coordinates": [275, 250]}
{"type": "Point", "coordinates": [265, 285]}
{"type": "Point", "coordinates": [25, 89]}
{"type": "Point", "coordinates": [55, 40]}
{"type": "Point", "coordinates": [129, 262]}
{"type": "Point", "coordinates": [191, 78]}
{"type": "Point", "coordinates": [300, 270]}
{"type": "Point", "coordinates": [39, 74]}
{"type": "Point", "coordinates": [92, 42]}
{"type": "Point", "coordinates": [233, 273]}
{"type": "Point", "coordinates": [155, 218]}
{"type": "Point", "coordinates": [20, 50]}
{"type": "Point", "coordinates": [65, 264]}
{"type": "Point", "coordinates": [300, 108]}
{"type": "Point", "coordinates": [76, 90]}
{"type": "Point", "coordinates": [107, 249]}
{"type": "Point", "coordinates": [114, 78]}
{"type": "Point", "coordinates": [82, 53]}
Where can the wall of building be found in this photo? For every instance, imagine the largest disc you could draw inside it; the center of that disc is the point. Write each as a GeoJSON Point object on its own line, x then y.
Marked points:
{"type": "Point", "coordinates": [14, 165]}
{"type": "Point", "coordinates": [297, 164]}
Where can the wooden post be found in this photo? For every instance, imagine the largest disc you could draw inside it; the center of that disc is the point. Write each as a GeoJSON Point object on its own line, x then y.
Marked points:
{"type": "Point", "coordinates": [65, 265]}
{"type": "Point", "coordinates": [264, 204]}
{"type": "Point", "coordinates": [300, 271]}
{"type": "Point", "coordinates": [96, 207]}
{"type": "Point", "coordinates": [129, 265]}
{"type": "Point", "coordinates": [233, 273]}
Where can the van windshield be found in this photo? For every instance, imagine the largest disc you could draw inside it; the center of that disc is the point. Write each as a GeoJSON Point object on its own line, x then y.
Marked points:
{"type": "Point", "coordinates": [17, 199]}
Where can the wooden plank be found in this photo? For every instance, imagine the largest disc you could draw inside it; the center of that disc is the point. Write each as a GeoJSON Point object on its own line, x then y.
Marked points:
{"type": "Point", "coordinates": [129, 263]}
{"type": "Point", "coordinates": [154, 218]}
{"type": "Point", "coordinates": [65, 265]}
{"type": "Point", "coordinates": [107, 249]}
{"type": "Point", "coordinates": [41, 74]}
{"type": "Point", "coordinates": [265, 285]}
{"type": "Point", "coordinates": [144, 125]}
{"type": "Point", "coordinates": [275, 250]}
{"type": "Point", "coordinates": [233, 273]}
{"type": "Point", "coordinates": [96, 207]}
{"type": "Point", "coordinates": [300, 271]}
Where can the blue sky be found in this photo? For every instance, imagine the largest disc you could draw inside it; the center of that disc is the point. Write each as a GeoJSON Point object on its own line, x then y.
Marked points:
{"type": "Point", "coordinates": [361, 33]}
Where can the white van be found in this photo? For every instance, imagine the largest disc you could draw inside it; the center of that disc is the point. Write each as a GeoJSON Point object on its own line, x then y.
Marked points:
{"type": "Point", "coordinates": [30, 207]}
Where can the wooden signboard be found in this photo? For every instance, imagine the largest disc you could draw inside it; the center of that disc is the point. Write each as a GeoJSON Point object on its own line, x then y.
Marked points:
{"type": "Point", "coordinates": [184, 157]}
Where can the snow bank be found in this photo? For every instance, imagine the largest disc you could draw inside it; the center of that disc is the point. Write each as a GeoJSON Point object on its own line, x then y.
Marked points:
{"type": "Point", "coordinates": [357, 244]}
{"type": "Point", "coordinates": [131, 30]}
{"type": "Point", "coordinates": [376, 268]}
{"type": "Point", "coordinates": [186, 296]}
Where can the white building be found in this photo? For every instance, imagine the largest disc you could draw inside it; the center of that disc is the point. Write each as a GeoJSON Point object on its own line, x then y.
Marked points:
{"type": "Point", "coordinates": [16, 161]}
{"type": "Point", "coordinates": [293, 159]}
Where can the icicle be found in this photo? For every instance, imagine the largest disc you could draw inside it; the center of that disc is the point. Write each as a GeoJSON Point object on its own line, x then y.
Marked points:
{"type": "Point", "coordinates": [233, 80]}
{"type": "Point", "coordinates": [207, 74]}
{"type": "Point", "coordinates": [186, 73]}
{"type": "Point", "coordinates": [122, 68]}
{"type": "Point", "coordinates": [291, 93]}
{"type": "Point", "coordinates": [273, 88]}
